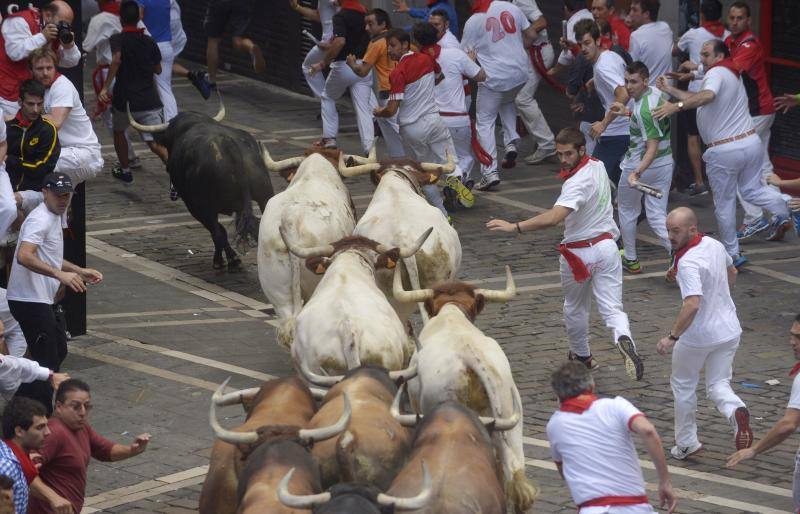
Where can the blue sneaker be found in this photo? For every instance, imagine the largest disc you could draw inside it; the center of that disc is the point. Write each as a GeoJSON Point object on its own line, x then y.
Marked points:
{"type": "Point", "coordinates": [751, 229]}
{"type": "Point", "coordinates": [199, 80]}
{"type": "Point", "coordinates": [778, 226]}
{"type": "Point", "coordinates": [739, 261]}
{"type": "Point", "coordinates": [796, 220]}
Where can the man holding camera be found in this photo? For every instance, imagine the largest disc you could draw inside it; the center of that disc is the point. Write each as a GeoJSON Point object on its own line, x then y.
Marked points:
{"type": "Point", "coordinates": [24, 31]}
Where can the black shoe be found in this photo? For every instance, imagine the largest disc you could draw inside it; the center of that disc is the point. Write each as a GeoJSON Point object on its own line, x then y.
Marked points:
{"type": "Point", "coordinates": [633, 363]}
{"type": "Point", "coordinates": [199, 80]}
{"type": "Point", "coordinates": [589, 361]}
{"type": "Point", "coordinates": [125, 176]}
{"type": "Point", "coordinates": [173, 193]}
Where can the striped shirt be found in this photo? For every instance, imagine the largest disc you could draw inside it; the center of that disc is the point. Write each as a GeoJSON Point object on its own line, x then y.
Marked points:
{"type": "Point", "coordinates": [643, 127]}
{"type": "Point", "coordinates": [10, 467]}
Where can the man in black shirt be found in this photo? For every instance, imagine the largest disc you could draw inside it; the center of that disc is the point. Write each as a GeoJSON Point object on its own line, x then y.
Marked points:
{"type": "Point", "coordinates": [135, 61]}
{"type": "Point", "coordinates": [349, 37]}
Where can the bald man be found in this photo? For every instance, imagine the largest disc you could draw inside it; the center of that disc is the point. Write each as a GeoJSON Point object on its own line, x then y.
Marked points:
{"type": "Point", "coordinates": [705, 334]}
{"type": "Point", "coordinates": [22, 33]}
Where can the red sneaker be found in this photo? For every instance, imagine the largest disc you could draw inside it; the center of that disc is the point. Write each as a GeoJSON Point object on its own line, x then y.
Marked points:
{"type": "Point", "coordinates": [743, 434]}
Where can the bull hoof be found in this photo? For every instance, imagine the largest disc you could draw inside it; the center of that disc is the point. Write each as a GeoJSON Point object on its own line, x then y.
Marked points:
{"type": "Point", "coordinates": [235, 265]}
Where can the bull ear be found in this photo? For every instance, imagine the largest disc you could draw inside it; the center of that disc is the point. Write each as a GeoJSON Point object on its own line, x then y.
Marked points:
{"type": "Point", "coordinates": [434, 177]}
{"type": "Point", "coordinates": [318, 265]}
{"type": "Point", "coordinates": [480, 303]}
{"type": "Point", "coordinates": [388, 259]}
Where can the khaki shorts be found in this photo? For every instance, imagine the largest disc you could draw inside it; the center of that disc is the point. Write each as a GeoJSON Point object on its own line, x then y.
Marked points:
{"type": "Point", "coordinates": [119, 120]}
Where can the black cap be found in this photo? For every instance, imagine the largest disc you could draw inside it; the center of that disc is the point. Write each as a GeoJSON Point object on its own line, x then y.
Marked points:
{"type": "Point", "coordinates": [58, 183]}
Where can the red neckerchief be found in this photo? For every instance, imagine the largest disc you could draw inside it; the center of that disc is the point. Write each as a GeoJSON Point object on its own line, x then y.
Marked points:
{"type": "Point", "coordinates": [133, 30]}
{"type": "Point", "coordinates": [431, 3]}
{"type": "Point", "coordinates": [715, 27]}
{"type": "Point", "coordinates": [480, 6]}
{"type": "Point", "coordinates": [795, 369]}
{"type": "Point", "coordinates": [565, 175]}
{"type": "Point", "coordinates": [353, 5]}
{"type": "Point", "coordinates": [691, 244]}
{"type": "Point", "coordinates": [28, 467]}
{"type": "Point", "coordinates": [578, 404]}
{"type": "Point", "coordinates": [22, 121]}
{"type": "Point", "coordinates": [110, 7]}
{"type": "Point", "coordinates": [728, 63]}
{"type": "Point", "coordinates": [433, 50]}
{"type": "Point", "coordinates": [606, 42]}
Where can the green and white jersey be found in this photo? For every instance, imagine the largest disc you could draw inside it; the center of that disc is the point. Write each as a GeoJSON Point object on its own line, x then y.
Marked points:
{"type": "Point", "coordinates": [644, 127]}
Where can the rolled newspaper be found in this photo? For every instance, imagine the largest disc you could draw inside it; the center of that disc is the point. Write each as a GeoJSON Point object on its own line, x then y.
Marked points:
{"type": "Point", "coordinates": [310, 36]}
{"type": "Point", "coordinates": [648, 189]}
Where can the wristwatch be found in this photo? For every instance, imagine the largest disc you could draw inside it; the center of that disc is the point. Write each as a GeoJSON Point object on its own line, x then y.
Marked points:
{"type": "Point", "coordinates": [672, 337]}
{"type": "Point", "coordinates": [680, 106]}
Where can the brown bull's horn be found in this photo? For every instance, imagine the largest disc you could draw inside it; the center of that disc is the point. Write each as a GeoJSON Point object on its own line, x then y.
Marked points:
{"type": "Point", "coordinates": [305, 253]}
{"type": "Point", "coordinates": [404, 374]}
{"type": "Point", "coordinates": [320, 380]}
{"type": "Point", "coordinates": [408, 251]}
{"type": "Point", "coordinates": [278, 166]}
{"type": "Point", "coordinates": [311, 435]}
{"type": "Point", "coordinates": [503, 424]}
{"type": "Point", "coordinates": [237, 397]}
{"type": "Point", "coordinates": [500, 296]}
{"type": "Point", "coordinates": [223, 434]}
{"type": "Point", "coordinates": [370, 159]}
{"type": "Point", "coordinates": [308, 501]}
{"type": "Point", "coordinates": [415, 502]}
{"type": "Point", "coordinates": [401, 295]}
{"type": "Point", "coordinates": [161, 127]}
{"type": "Point", "coordinates": [407, 420]}
{"type": "Point", "coordinates": [433, 166]}
{"type": "Point", "coordinates": [355, 171]}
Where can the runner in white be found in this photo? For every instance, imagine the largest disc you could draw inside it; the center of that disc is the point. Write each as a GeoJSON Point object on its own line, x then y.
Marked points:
{"type": "Point", "coordinates": [735, 152]}
{"type": "Point", "coordinates": [649, 160]}
{"type": "Point", "coordinates": [590, 262]}
{"type": "Point", "coordinates": [652, 40]}
{"type": "Point", "coordinates": [574, 11]}
{"type": "Point", "coordinates": [441, 22]}
{"type": "Point", "coordinates": [323, 15]}
{"type": "Point", "coordinates": [705, 334]}
{"type": "Point", "coordinates": [592, 445]}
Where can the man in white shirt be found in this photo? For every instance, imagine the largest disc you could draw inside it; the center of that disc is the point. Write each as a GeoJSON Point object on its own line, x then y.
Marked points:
{"type": "Point", "coordinates": [705, 334]}
{"type": "Point", "coordinates": [574, 11]}
{"type": "Point", "coordinates": [590, 263]}
{"type": "Point", "coordinates": [591, 444]}
{"type": "Point", "coordinates": [38, 269]}
{"type": "Point", "coordinates": [787, 425]}
{"type": "Point", "coordinates": [80, 155]}
{"type": "Point", "coordinates": [15, 371]}
{"type": "Point", "coordinates": [652, 40]}
{"type": "Point", "coordinates": [735, 153]}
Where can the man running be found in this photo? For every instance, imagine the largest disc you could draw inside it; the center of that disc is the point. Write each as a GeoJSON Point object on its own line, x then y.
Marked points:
{"type": "Point", "coordinates": [323, 15]}
{"type": "Point", "coordinates": [233, 16]}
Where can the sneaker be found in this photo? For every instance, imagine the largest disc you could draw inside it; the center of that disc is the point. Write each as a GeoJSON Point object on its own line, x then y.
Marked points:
{"type": "Point", "coordinates": [751, 229]}
{"type": "Point", "coordinates": [463, 194]}
{"type": "Point", "coordinates": [469, 184]}
{"type": "Point", "coordinates": [450, 198]}
{"type": "Point", "coordinates": [326, 142]}
{"type": "Point", "coordinates": [199, 80]}
{"type": "Point", "coordinates": [510, 158]}
{"type": "Point", "coordinates": [743, 435]}
{"type": "Point", "coordinates": [778, 226]}
{"type": "Point", "coordinates": [135, 163]}
{"type": "Point", "coordinates": [118, 173]}
{"type": "Point", "coordinates": [488, 181]}
{"type": "Point", "coordinates": [540, 155]}
{"type": "Point", "coordinates": [589, 361]}
{"type": "Point", "coordinates": [631, 266]}
{"type": "Point", "coordinates": [450, 219]}
{"type": "Point", "coordinates": [683, 452]}
{"type": "Point", "coordinates": [695, 190]}
{"type": "Point", "coordinates": [796, 221]}
{"type": "Point", "coordinates": [739, 261]}
{"type": "Point", "coordinates": [633, 363]}
{"type": "Point", "coordinates": [173, 193]}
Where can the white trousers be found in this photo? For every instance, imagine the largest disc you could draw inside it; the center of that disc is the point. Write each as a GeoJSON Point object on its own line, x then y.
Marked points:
{"type": "Point", "coordinates": [629, 202]}
{"type": "Point", "coordinates": [605, 284]}
{"type": "Point", "coordinates": [738, 165]}
{"type": "Point", "coordinates": [462, 141]}
{"type": "Point", "coordinates": [316, 81]}
{"type": "Point", "coordinates": [796, 482]}
{"type": "Point", "coordinates": [586, 129]}
{"type": "Point", "coordinates": [8, 204]}
{"type": "Point", "coordinates": [763, 126]}
{"type": "Point", "coordinates": [642, 508]}
{"type": "Point", "coordinates": [390, 131]}
{"type": "Point", "coordinates": [528, 107]}
{"type": "Point", "coordinates": [339, 80]}
{"type": "Point", "coordinates": [687, 362]}
{"type": "Point", "coordinates": [428, 140]}
{"type": "Point", "coordinates": [490, 103]}
{"type": "Point", "coordinates": [80, 162]}
{"type": "Point", "coordinates": [164, 80]}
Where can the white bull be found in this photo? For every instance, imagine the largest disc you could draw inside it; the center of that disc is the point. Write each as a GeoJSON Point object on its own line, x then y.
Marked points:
{"type": "Point", "coordinates": [348, 321]}
{"type": "Point", "coordinates": [459, 362]}
{"type": "Point", "coordinates": [398, 213]}
{"type": "Point", "coordinates": [315, 208]}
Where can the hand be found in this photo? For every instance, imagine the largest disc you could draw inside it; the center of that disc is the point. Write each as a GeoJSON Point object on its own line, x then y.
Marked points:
{"type": "Point", "coordinates": [351, 60]}
{"type": "Point", "coordinates": [590, 86]}
{"type": "Point", "coordinates": [663, 84]}
{"type": "Point", "coordinates": [786, 102]}
{"type": "Point", "coordinates": [681, 76]}
{"type": "Point", "coordinates": [377, 112]}
{"type": "Point", "coordinates": [473, 55]}
{"type": "Point", "coordinates": [736, 458]}
{"type": "Point", "coordinates": [634, 177]}
{"type": "Point", "coordinates": [50, 31]}
{"type": "Point", "coordinates": [92, 276]}
{"type": "Point", "coordinates": [56, 379]}
{"type": "Point", "coordinates": [563, 43]}
{"type": "Point", "coordinates": [577, 107]}
{"type": "Point", "coordinates": [501, 226]}
{"type": "Point", "coordinates": [794, 204]}
{"type": "Point", "coordinates": [663, 347]}
{"type": "Point", "coordinates": [666, 110]}
{"type": "Point", "coordinates": [324, 45]}
{"type": "Point", "coordinates": [71, 280]}
{"type": "Point", "coordinates": [36, 458]}
{"type": "Point", "coordinates": [598, 127]}
{"type": "Point", "coordinates": [620, 109]}
{"type": "Point", "coordinates": [316, 68]}
{"type": "Point", "coordinates": [103, 96]}
{"type": "Point", "coordinates": [61, 505]}
{"type": "Point", "coordinates": [667, 496]}
{"type": "Point", "coordinates": [400, 6]}
{"type": "Point", "coordinates": [774, 180]}
{"type": "Point", "coordinates": [689, 66]}
{"type": "Point", "coordinates": [139, 444]}
{"type": "Point", "coordinates": [293, 4]}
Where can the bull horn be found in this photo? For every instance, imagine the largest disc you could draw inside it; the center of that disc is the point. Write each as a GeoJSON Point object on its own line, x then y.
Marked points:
{"type": "Point", "coordinates": [221, 113]}
{"type": "Point", "coordinates": [320, 380]}
{"type": "Point", "coordinates": [433, 166]}
{"type": "Point", "coordinates": [317, 393]}
{"type": "Point", "coordinates": [312, 435]}
{"type": "Point", "coordinates": [355, 171]}
{"type": "Point", "coordinates": [415, 502]}
{"type": "Point", "coordinates": [223, 434]}
{"type": "Point", "coordinates": [305, 253]}
{"type": "Point", "coordinates": [278, 166]}
{"type": "Point", "coordinates": [500, 296]}
{"type": "Point", "coordinates": [237, 397]}
{"type": "Point", "coordinates": [404, 374]}
{"type": "Point", "coordinates": [161, 127]}
{"type": "Point", "coordinates": [408, 251]}
{"type": "Point", "coordinates": [370, 159]}
{"type": "Point", "coordinates": [503, 424]}
{"type": "Point", "coordinates": [401, 295]}
{"type": "Point", "coordinates": [406, 420]}
{"type": "Point", "coordinates": [307, 501]}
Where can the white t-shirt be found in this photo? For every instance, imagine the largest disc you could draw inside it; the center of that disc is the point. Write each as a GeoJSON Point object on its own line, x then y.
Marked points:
{"type": "Point", "coordinates": [449, 92]}
{"type": "Point", "coordinates": [20, 42]}
{"type": "Point", "coordinates": [588, 194]}
{"type": "Point", "coordinates": [42, 228]}
{"type": "Point", "coordinates": [652, 44]}
{"type": "Point", "coordinates": [703, 271]}
{"type": "Point", "coordinates": [531, 11]}
{"type": "Point", "coordinates": [692, 42]}
{"type": "Point", "coordinates": [101, 27]}
{"type": "Point", "coordinates": [597, 451]}
{"type": "Point", "coordinates": [609, 74]}
{"type": "Point", "coordinates": [566, 58]}
{"type": "Point", "coordinates": [77, 129]}
{"type": "Point", "coordinates": [728, 115]}
{"type": "Point", "coordinates": [794, 398]}
{"type": "Point", "coordinates": [496, 36]}
{"type": "Point", "coordinates": [448, 40]}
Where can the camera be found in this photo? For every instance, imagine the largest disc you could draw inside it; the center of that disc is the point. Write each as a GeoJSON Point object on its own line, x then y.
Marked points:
{"type": "Point", "coordinates": [65, 32]}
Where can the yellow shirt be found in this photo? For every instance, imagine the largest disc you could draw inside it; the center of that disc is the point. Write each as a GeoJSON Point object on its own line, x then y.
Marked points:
{"type": "Point", "coordinates": [378, 56]}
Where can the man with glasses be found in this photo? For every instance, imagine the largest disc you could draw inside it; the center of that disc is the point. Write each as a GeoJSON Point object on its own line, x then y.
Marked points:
{"type": "Point", "coordinates": [67, 451]}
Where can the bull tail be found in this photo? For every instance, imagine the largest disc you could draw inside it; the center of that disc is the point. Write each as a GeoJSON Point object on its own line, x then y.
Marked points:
{"type": "Point", "coordinates": [413, 277]}
{"type": "Point", "coordinates": [286, 328]}
{"type": "Point", "coordinates": [246, 225]}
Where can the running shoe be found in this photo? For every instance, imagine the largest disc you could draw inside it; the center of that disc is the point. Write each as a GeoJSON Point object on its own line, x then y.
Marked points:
{"type": "Point", "coordinates": [778, 226]}
{"type": "Point", "coordinates": [743, 434]}
{"type": "Point", "coordinates": [633, 363]}
{"type": "Point", "coordinates": [510, 158]}
{"type": "Point", "coordinates": [199, 80]}
{"type": "Point", "coordinates": [450, 198]}
{"type": "Point", "coordinates": [540, 155]}
{"type": "Point", "coordinates": [751, 229]}
{"type": "Point", "coordinates": [683, 452]}
{"type": "Point", "coordinates": [695, 190]}
{"type": "Point", "coordinates": [450, 219]}
{"type": "Point", "coordinates": [173, 193]}
{"type": "Point", "coordinates": [118, 173]}
{"type": "Point", "coordinates": [631, 266]}
{"type": "Point", "coordinates": [589, 361]}
{"type": "Point", "coordinates": [739, 261]}
{"type": "Point", "coordinates": [463, 194]}
{"type": "Point", "coordinates": [488, 181]}
{"type": "Point", "coordinates": [326, 142]}
{"type": "Point", "coordinates": [134, 163]}
{"type": "Point", "coordinates": [796, 220]}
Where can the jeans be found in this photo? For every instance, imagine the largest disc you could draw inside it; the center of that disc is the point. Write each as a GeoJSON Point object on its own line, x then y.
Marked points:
{"type": "Point", "coordinates": [611, 150]}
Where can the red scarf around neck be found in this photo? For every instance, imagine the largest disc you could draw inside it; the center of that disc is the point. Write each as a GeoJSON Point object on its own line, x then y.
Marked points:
{"type": "Point", "coordinates": [480, 6]}
{"type": "Point", "coordinates": [432, 50]}
{"type": "Point", "coordinates": [110, 7]}
{"type": "Point", "coordinates": [28, 467]}
{"type": "Point", "coordinates": [566, 174]}
{"type": "Point", "coordinates": [134, 30]}
{"type": "Point", "coordinates": [691, 244]}
{"type": "Point", "coordinates": [715, 27]}
{"type": "Point", "coordinates": [578, 404]}
{"type": "Point", "coordinates": [353, 5]}
{"type": "Point", "coordinates": [795, 369]}
{"type": "Point", "coordinates": [728, 63]}
{"type": "Point", "coordinates": [22, 121]}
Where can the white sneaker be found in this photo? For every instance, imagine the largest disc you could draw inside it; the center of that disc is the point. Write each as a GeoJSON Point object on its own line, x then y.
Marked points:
{"type": "Point", "coordinates": [488, 181]}
{"type": "Point", "coordinates": [683, 452]}
{"type": "Point", "coordinates": [539, 155]}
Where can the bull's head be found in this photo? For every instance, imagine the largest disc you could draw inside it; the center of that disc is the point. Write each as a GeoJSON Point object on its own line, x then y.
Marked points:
{"type": "Point", "coordinates": [422, 173]}
{"type": "Point", "coordinates": [355, 498]}
{"type": "Point", "coordinates": [471, 299]}
{"type": "Point", "coordinates": [287, 167]}
{"type": "Point", "coordinates": [161, 127]}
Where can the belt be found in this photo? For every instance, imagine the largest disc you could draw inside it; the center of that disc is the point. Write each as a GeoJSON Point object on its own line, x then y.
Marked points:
{"type": "Point", "coordinates": [579, 270]}
{"type": "Point", "coordinates": [586, 243]}
{"type": "Point", "coordinates": [731, 139]}
{"type": "Point", "coordinates": [453, 114]}
{"type": "Point", "coordinates": [608, 501]}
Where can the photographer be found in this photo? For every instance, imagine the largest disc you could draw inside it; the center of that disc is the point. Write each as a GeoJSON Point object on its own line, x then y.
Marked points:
{"type": "Point", "coordinates": [24, 31]}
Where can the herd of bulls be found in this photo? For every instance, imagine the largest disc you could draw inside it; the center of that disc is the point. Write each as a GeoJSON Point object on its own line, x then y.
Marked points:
{"type": "Point", "coordinates": [335, 439]}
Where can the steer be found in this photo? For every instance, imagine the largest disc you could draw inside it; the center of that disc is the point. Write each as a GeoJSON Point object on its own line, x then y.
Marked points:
{"type": "Point", "coordinates": [398, 212]}
{"type": "Point", "coordinates": [315, 208]}
{"type": "Point", "coordinates": [216, 170]}
{"type": "Point", "coordinates": [459, 362]}
{"type": "Point", "coordinates": [348, 321]}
